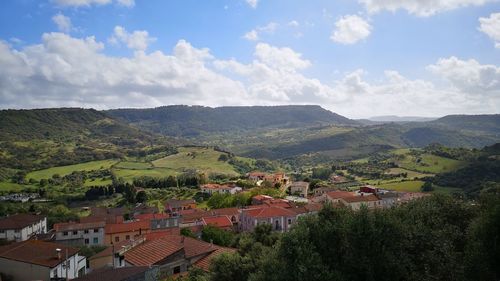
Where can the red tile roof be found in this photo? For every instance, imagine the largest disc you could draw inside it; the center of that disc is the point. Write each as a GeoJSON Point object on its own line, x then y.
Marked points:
{"type": "Point", "coordinates": [115, 274]}
{"type": "Point", "coordinates": [19, 221]}
{"type": "Point", "coordinates": [269, 212]}
{"type": "Point", "coordinates": [225, 211]}
{"type": "Point", "coordinates": [127, 227]}
{"type": "Point", "coordinates": [152, 252]}
{"type": "Point", "coordinates": [261, 197]}
{"type": "Point", "coordinates": [69, 226]}
{"type": "Point", "coordinates": [151, 216]}
{"type": "Point", "coordinates": [36, 252]}
{"type": "Point", "coordinates": [340, 194]}
{"type": "Point", "coordinates": [204, 263]}
{"type": "Point", "coordinates": [218, 221]}
{"type": "Point", "coordinates": [365, 198]}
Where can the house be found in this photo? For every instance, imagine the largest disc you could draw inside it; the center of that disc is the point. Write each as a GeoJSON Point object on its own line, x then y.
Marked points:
{"type": "Point", "coordinates": [335, 179]}
{"type": "Point", "coordinates": [113, 256]}
{"type": "Point", "coordinates": [222, 222]}
{"type": "Point", "coordinates": [133, 273]}
{"type": "Point", "coordinates": [356, 202]}
{"type": "Point", "coordinates": [78, 233]}
{"type": "Point", "coordinates": [172, 255]}
{"type": "Point", "coordinates": [211, 188]}
{"type": "Point", "coordinates": [256, 176]}
{"type": "Point", "coordinates": [114, 233]}
{"type": "Point", "coordinates": [22, 227]}
{"type": "Point", "coordinates": [282, 203]}
{"type": "Point", "coordinates": [322, 190]}
{"type": "Point", "coordinates": [281, 219]}
{"type": "Point", "coordinates": [334, 197]}
{"type": "Point", "coordinates": [368, 189]}
{"type": "Point", "coordinates": [175, 205]}
{"type": "Point", "coordinates": [259, 199]}
{"type": "Point", "coordinates": [389, 199]}
{"type": "Point", "coordinates": [275, 178]}
{"type": "Point", "coordinates": [300, 188]}
{"type": "Point", "coordinates": [40, 260]}
{"type": "Point", "coordinates": [195, 219]}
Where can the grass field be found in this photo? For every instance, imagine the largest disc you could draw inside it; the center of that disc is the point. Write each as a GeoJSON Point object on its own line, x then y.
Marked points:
{"type": "Point", "coordinates": [133, 165]}
{"type": "Point", "coordinates": [66, 170]}
{"type": "Point", "coordinates": [411, 174]}
{"type": "Point", "coordinates": [129, 175]}
{"type": "Point", "coordinates": [430, 164]}
{"type": "Point", "coordinates": [204, 159]}
{"type": "Point", "coordinates": [8, 187]}
{"type": "Point", "coordinates": [409, 186]}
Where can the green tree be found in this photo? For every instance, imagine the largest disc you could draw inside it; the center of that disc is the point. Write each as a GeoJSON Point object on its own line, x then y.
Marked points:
{"type": "Point", "coordinates": [217, 236]}
{"type": "Point", "coordinates": [141, 197]}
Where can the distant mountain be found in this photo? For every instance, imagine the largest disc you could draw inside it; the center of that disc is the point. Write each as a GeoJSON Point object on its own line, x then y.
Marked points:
{"type": "Point", "coordinates": [489, 124]}
{"type": "Point", "coordinates": [397, 119]}
{"type": "Point", "coordinates": [192, 121]}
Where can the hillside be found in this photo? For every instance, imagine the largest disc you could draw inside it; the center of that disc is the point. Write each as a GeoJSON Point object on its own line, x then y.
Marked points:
{"type": "Point", "coordinates": [42, 138]}
{"type": "Point", "coordinates": [192, 121]}
{"type": "Point", "coordinates": [489, 124]}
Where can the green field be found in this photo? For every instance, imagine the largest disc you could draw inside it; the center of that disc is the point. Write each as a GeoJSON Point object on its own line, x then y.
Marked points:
{"type": "Point", "coordinates": [408, 186]}
{"type": "Point", "coordinates": [204, 159]}
{"type": "Point", "coordinates": [133, 165]}
{"type": "Point", "coordinates": [411, 174]}
{"type": "Point", "coordinates": [66, 170]}
{"type": "Point", "coordinates": [430, 164]}
{"type": "Point", "coordinates": [8, 187]}
{"type": "Point", "coordinates": [129, 175]}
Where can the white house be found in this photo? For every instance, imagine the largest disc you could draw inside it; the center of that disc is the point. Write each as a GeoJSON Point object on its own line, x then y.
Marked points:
{"type": "Point", "coordinates": [41, 260]}
{"type": "Point", "coordinates": [80, 233]}
{"type": "Point", "coordinates": [21, 227]}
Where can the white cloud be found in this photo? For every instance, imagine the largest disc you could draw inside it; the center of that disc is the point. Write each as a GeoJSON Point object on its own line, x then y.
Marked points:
{"type": "Point", "coordinates": [126, 3]}
{"type": "Point", "coordinates": [88, 3]}
{"type": "Point", "coordinates": [350, 29]}
{"type": "Point", "coordinates": [252, 3]}
{"type": "Point", "coordinates": [137, 40]}
{"type": "Point", "coordinates": [67, 71]}
{"type": "Point", "coordinates": [293, 23]}
{"type": "Point", "coordinates": [421, 8]}
{"type": "Point", "coordinates": [63, 22]}
{"type": "Point", "coordinates": [491, 27]}
{"type": "Point", "coordinates": [253, 35]}
{"type": "Point", "coordinates": [469, 77]}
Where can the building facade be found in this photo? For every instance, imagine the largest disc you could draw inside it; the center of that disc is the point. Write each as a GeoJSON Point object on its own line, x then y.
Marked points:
{"type": "Point", "coordinates": [22, 227]}
{"type": "Point", "coordinates": [89, 233]}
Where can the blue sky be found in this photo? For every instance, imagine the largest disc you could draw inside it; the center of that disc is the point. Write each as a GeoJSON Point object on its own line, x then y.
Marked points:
{"type": "Point", "coordinates": [388, 57]}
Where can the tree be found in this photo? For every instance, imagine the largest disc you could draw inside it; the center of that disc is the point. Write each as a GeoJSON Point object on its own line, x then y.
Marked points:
{"type": "Point", "coordinates": [427, 187]}
{"type": "Point", "coordinates": [217, 236]}
{"type": "Point", "coordinates": [141, 197]}
{"type": "Point", "coordinates": [223, 157]}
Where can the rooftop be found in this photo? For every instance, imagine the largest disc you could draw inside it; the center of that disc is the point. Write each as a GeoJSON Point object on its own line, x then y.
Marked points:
{"type": "Point", "coordinates": [70, 226]}
{"type": "Point", "coordinates": [19, 221]}
{"type": "Point", "coordinates": [340, 194]}
{"type": "Point", "coordinates": [36, 252]}
{"type": "Point", "coordinates": [269, 212]}
{"type": "Point", "coordinates": [365, 198]}
{"type": "Point", "coordinates": [126, 227]}
{"type": "Point", "coordinates": [218, 221]}
{"type": "Point", "coordinates": [114, 274]}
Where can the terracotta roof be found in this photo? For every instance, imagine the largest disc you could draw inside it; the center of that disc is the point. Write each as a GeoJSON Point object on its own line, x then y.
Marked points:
{"type": "Point", "coordinates": [269, 212]}
{"type": "Point", "coordinates": [36, 252]}
{"type": "Point", "coordinates": [339, 194]}
{"type": "Point", "coordinates": [69, 226]}
{"type": "Point", "coordinates": [115, 274]}
{"type": "Point", "coordinates": [278, 203]}
{"type": "Point", "coordinates": [225, 211]}
{"type": "Point", "coordinates": [126, 227]}
{"type": "Point", "coordinates": [151, 216]}
{"type": "Point", "coordinates": [204, 263]}
{"type": "Point", "coordinates": [218, 221]}
{"type": "Point", "coordinates": [152, 252]}
{"type": "Point", "coordinates": [118, 246]}
{"type": "Point", "coordinates": [365, 198]}
{"type": "Point", "coordinates": [19, 221]}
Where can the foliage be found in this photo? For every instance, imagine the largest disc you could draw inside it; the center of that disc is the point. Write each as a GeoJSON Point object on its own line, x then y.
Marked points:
{"type": "Point", "coordinates": [217, 236]}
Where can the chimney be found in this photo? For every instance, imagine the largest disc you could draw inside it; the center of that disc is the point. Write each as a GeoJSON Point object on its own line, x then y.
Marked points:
{"type": "Point", "coordinates": [58, 254]}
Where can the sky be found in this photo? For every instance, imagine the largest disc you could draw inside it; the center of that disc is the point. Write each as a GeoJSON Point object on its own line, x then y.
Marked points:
{"type": "Point", "coordinates": [358, 58]}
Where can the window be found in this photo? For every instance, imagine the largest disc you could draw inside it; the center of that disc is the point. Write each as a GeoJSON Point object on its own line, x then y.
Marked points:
{"type": "Point", "coordinates": [127, 237]}
{"type": "Point", "coordinates": [289, 221]}
{"type": "Point", "coordinates": [86, 231]}
{"type": "Point", "coordinates": [86, 241]}
{"type": "Point", "coordinates": [65, 233]}
{"type": "Point", "coordinates": [75, 232]}
{"type": "Point", "coordinates": [177, 269]}
{"type": "Point", "coordinates": [117, 239]}
{"type": "Point", "coordinates": [96, 240]}
{"type": "Point", "coordinates": [96, 230]}
{"type": "Point", "coordinates": [2, 231]}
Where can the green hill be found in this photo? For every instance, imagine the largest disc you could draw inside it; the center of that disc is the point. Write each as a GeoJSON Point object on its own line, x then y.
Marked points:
{"type": "Point", "coordinates": [192, 121]}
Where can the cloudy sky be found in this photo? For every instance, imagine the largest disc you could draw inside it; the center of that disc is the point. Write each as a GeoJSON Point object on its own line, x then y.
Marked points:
{"type": "Point", "coordinates": [359, 58]}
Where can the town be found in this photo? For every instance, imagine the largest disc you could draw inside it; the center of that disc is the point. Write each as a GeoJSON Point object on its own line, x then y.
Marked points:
{"type": "Point", "coordinates": [167, 241]}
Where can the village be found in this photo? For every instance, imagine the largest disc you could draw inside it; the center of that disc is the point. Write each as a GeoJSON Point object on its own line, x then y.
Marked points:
{"type": "Point", "coordinates": [167, 242]}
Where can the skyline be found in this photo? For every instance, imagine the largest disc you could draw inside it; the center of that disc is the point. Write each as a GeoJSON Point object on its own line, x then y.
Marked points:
{"type": "Point", "coordinates": [356, 58]}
